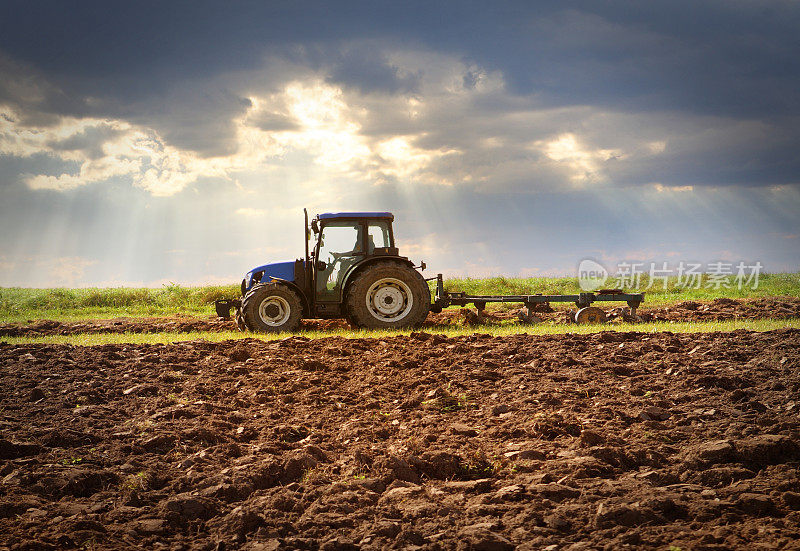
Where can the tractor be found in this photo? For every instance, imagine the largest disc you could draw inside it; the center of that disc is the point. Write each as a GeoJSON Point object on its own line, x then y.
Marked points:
{"type": "Point", "coordinates": [354, 271]}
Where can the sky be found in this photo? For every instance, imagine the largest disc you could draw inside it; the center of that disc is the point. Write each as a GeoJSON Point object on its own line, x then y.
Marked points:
{"type": "Point", "coordinates": [147, 143]}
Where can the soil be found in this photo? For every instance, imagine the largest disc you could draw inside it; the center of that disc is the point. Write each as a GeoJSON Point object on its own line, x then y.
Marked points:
{"type": "Point", "coordinates": [719, 309]}
{"type": "Point", "coordinates": [602, 441]}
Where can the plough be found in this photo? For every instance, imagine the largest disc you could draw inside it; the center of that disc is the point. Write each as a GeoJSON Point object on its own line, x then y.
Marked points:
{"type": "Point", "coordinates": [586, 313]}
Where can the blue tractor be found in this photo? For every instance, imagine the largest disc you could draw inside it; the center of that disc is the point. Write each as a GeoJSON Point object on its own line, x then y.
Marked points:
{"type": "Point", "coordinates": [354, 271]}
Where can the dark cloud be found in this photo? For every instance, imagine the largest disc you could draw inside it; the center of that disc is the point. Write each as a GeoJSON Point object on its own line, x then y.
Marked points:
{"type": "Point", "coordinates": [31, 93]}
{"type": "Point", "coordinates": [193, 118]}
{"type": "Point", "coordinates": [89, 141]}
{"type": "Point", "coordinates": [368, 70]}
{"type": "Point", "coordinates": [767, 160]}
{"type": "Point", "coordinates": [14, 169]}
{"type": "Point", "coordinates": [721, 57]}
{"type": "Point", "coordinates": [733, 59]}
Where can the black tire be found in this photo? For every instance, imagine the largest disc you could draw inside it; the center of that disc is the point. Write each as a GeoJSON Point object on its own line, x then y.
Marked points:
{"type": "Point", "coordinates": [388, 295]}
{"type": "Point", "coordinates": [271, 308]}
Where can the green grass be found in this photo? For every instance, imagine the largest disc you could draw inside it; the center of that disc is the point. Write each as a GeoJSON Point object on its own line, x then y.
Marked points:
{"type": "Point", "coordinates": [19, 304]}
{"type": "Point", "coordinates": [787, 284]}
{"type": "Point", "coordinates": [501, 330]}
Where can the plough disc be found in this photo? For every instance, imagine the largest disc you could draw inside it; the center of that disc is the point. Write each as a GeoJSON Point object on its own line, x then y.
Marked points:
{"type": "Point", "coordinates": [590, 314]}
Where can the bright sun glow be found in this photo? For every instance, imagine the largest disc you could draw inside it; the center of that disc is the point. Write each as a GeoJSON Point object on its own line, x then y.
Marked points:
{"type": "Point", "coordinates": [584, 164]}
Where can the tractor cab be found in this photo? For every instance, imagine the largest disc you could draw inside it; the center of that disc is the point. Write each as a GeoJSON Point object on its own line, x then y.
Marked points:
{"type": "Point", "coordinates": [345, 240]}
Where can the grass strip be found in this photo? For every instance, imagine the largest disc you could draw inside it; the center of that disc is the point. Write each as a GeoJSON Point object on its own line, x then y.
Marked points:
{"type": "Point", "coordinates": [501, 330]}
{"type": "Point", "coordinates": [20, 304]}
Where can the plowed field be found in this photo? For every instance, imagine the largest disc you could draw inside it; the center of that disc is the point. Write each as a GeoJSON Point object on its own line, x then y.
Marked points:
{"type": "Point", "coordinates": [602, 441]}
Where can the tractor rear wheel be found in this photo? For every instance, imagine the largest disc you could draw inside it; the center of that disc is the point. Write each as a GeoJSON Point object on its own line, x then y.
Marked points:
{"type": "Point", "coordinates": [388, 295]}
{"type": "Point", "coordinates": [271, 308]}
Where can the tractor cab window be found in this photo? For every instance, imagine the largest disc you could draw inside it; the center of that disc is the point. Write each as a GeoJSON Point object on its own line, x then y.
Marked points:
{"type": "Point", "coordinates": [340, 246]}
{"type": "Point", "coordinates": [378, 236]}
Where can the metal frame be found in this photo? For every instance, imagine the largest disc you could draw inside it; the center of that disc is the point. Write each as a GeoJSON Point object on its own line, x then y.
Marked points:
{"type": "Point", "coordinates": [444, 298]}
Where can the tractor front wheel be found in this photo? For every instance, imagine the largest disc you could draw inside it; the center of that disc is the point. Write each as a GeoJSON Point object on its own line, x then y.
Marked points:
{"type": "Point", "coordinates": [271, 308]}
{"type": "Point", "coordinates": [388, 295]}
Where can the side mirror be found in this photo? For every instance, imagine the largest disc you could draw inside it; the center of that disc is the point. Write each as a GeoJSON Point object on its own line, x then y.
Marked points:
{"type": "Point", "coordinates": [321, 265]}
{"type": "Point", "coordinates": [314, 226]}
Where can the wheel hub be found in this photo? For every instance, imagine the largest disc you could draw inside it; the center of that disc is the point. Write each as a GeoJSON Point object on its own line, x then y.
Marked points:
{"type": "Point", "coordinates": [389, 299]}
{"type": "Point", "coordinates": [274, 310]}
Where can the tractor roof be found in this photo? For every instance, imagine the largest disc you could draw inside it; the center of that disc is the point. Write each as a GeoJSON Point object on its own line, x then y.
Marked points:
{"type": "Point", "coordinates": [334, 215]}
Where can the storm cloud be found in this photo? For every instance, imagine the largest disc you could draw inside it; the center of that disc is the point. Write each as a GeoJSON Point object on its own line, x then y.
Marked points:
{"type": "Point", "coordinates": [678, 117]}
